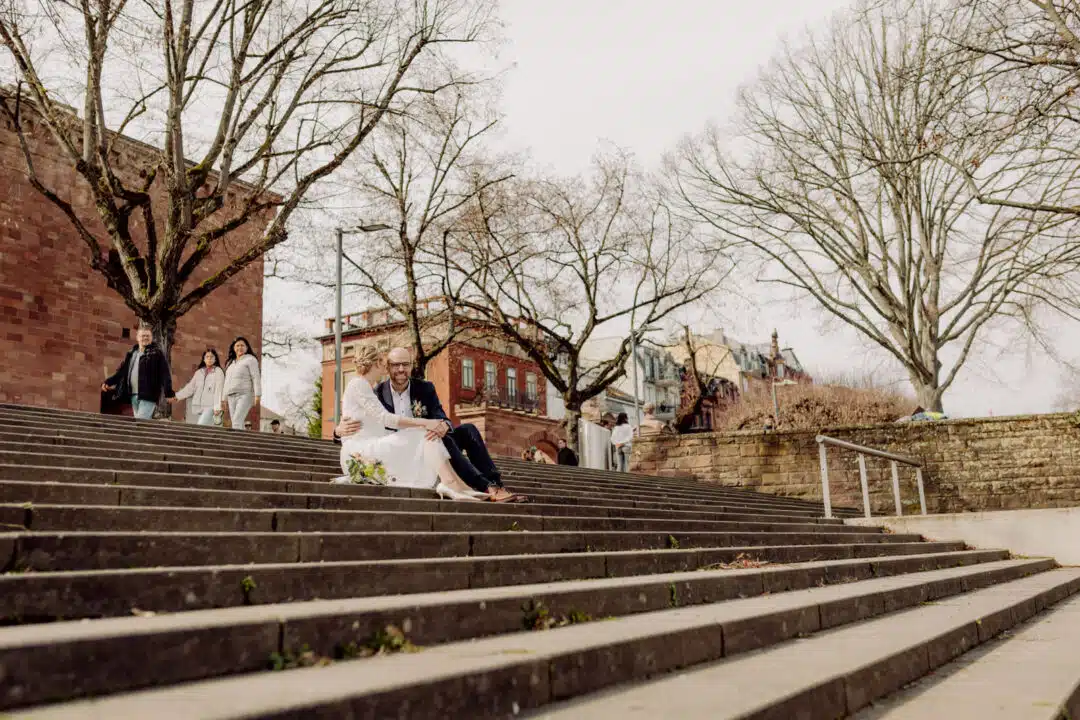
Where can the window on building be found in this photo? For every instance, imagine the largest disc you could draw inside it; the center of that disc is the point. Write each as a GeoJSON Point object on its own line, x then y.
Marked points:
{"type": "Point", "coordinates": [511, 383]}
{"type": "Point", "coordinates": [780, 370]}
{"type": "Point", "coordinates": [490, 376]}
{"type": "Point", "coordinates": [468, 373]}
{"type": "Point", "coordinates": [530, 386]}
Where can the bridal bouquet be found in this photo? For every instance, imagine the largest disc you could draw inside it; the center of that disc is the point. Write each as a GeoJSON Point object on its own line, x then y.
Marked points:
{"type": "Point", "coordinates": [364, 472]}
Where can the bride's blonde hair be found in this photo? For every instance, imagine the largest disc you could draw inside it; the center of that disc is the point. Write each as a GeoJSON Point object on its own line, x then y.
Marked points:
{"type": "Point", "coordinates": [366, 358]}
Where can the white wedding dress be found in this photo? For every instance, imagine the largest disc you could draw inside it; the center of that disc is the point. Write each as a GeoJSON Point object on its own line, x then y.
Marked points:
{"type": "Point", "coordinates": [410, 459]}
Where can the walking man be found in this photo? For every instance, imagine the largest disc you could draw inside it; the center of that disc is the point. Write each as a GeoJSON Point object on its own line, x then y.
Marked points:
{"type": "Point", "coordinates": [143, 376]}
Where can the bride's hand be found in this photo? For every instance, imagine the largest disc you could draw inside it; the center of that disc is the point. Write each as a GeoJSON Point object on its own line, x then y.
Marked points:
{"type": "Point", "coordinates": [433, 430]}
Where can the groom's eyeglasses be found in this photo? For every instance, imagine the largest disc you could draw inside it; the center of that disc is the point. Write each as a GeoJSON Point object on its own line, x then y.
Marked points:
{"type": "Point", "coordinates": [403, 365]}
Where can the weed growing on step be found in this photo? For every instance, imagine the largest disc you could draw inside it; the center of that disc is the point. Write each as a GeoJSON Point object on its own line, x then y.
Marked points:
{"type": "Point", "coordinates": [742, 561]}
{"type": "Point", "coordinates": [537, 616]}
{"type": "Point", "coordinates": [304, 657]}
{"type": "Point", "coordinates": [673, 595]}
{"type": "Point", "coordinates": [388, 641]}
{"type": "Point", "coordinates": [672, 542]}
{"type": "Point", "coordinates": [247, 586]}
{"type": "Point", "coordinates": [514, 527]}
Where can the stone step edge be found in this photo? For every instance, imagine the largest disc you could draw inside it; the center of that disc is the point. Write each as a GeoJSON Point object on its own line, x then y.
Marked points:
{"type": "Point", "coordinates": [1024, 675]}
{"type": "Point", "coordinates": [80, 646]}
{"type": "Point", "coordinates": [839, 673]}
{"type": "Point", "coordinates": [527, 670]}
{"type": "Point", "coordinates": [47, 597]}
{"type": "Point", "coordinates": [427, 497]}
{"type": "Point", "coordinates": [28, 509]}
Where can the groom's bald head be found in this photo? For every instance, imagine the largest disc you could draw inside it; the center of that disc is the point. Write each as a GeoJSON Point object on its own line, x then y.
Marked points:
{"type": "Point", "coordinates": [399, 361]}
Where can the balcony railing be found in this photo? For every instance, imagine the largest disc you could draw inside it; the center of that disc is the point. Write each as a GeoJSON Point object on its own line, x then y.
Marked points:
{"type": "Point", "coordinates": [511, 398]}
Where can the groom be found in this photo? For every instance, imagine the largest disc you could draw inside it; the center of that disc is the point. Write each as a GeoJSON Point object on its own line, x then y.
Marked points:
{"type": "Point", "coordinates": [405, 395]}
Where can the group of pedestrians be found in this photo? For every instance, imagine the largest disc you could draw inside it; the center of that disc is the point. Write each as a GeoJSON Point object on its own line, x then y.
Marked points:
{"type": "Point", "coordinates": [144, 378]}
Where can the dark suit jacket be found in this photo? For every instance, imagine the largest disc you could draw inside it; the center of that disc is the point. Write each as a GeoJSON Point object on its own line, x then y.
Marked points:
{"type": "Point", "coordinates": [154, 376]}
{"type": "Point", "coordinates": [419, 391]}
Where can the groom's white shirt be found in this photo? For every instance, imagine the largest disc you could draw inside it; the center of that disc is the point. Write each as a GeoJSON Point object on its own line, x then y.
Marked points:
{"type": "Point", "coordinates": [402, 400]}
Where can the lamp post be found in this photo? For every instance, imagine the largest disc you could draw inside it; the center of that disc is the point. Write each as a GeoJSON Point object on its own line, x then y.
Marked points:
{"type": "Point", "coordinates": [633, 367]}
{"type": "Point", "coordinates": [341, 233]}
{"type": "Point", "coordinates": [775, 404]}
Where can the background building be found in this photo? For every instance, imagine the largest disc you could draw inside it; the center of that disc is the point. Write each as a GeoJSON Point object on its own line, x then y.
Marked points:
{"type": "Point", "coordinates": [62, 330]}
{"type": "Point", "coordinates": [481, 377]}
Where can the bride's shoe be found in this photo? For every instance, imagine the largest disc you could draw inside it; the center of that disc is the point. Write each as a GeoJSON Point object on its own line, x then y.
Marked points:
{"type": "Point", "coordinates": [447, 494]}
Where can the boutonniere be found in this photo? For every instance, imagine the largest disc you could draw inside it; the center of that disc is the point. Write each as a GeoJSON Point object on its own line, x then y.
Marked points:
{"type": "Point", "coordinates": [418, 409]}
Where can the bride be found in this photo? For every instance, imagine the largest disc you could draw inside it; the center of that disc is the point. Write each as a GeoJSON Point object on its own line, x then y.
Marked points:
{"type": "Point", "coordinates": [409, 458]}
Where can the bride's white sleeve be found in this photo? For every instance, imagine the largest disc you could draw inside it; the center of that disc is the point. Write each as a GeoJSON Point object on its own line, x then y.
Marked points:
{"type": "Point", "coordinates": [359, 403]}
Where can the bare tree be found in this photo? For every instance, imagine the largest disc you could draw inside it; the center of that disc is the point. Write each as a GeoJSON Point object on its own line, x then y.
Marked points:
{"type": "Point", "coordinates": [254, 102]}
{"type": "Point", "coordinates": [418, 179]}
{"type": "Point", "coordinates": [702, 382]}
{"type": "Point", "coordinates": [558, 263]}
{"type": "Point", "coordinates": [842, 181]}
{"type": "Point", "coordinates": [1031, 52]}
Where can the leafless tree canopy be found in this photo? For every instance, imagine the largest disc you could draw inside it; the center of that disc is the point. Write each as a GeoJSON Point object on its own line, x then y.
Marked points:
{"type": "Point", "coordinates": [850, 177]}
{"type": "Point", "coordinates": [559, 262]}
{"type": "Point", "coordinates": [1031, 52]}
{"type": "Point", "coordinates": [252, 102]}
{"type": "Point", "coordinates": [418, 176]}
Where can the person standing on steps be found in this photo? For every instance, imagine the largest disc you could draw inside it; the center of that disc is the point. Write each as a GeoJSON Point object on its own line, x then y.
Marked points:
{"type": "Point", "coordinates": [410, 397]}
{"type": "Point", "coordinates": [243, 384]}
{"type": "Point", "coordinates": [143, 376]}
{"type": "Point", "coordinates": [622, 436]}
{"type": "Point", "coordinates": [205, 390]}
{"type": "Point", "coordinates": [566, 456]}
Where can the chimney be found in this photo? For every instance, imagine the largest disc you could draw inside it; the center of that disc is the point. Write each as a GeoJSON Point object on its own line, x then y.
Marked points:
{"type": "Point", "coordinates": [775, 345]}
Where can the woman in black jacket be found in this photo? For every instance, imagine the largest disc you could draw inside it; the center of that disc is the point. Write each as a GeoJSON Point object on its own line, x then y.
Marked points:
{"type": "Point", "coordinates": [143, 377]}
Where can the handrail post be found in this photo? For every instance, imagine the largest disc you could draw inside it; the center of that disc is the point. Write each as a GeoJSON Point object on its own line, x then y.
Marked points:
{"type": "Point", "coordinates": [865, 485]}
{"type": "Point", "coordinates": [922, 490]}
{"type": "Point", "coordinates": [896, 489]}
{"type": "Point", "coordinates": [824, 461]}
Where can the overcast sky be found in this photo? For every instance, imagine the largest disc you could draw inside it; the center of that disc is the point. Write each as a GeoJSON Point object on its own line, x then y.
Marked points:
{"type": "Point", "coordinates": [642, 74]}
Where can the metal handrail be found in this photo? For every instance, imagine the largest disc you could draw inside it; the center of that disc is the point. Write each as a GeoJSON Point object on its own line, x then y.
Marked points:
{"type": "Point", "coordinates": [863, 451]}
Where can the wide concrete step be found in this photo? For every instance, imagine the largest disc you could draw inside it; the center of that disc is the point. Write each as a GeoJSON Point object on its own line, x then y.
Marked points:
{"type": "Point", "coordinates": [115, 490]}
{"type": "Point", "coordinates": [836, 674]}
{"type": "Point", "coordinates": [509, 674]}
{"type": "Point", "coordinates": [46, 596]}
{"type": "Point", "coordinates": [43, 517]}
{"type": "Point", "coordinates": [1030, 674]}
{"type": "Point", "coordinates": [68, 660]}
{"type": "Point", "coordinates": [58, 552]}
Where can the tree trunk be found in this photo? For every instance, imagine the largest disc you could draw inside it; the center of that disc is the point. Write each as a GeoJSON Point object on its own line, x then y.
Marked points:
{"type": "Point", "coordinates": [164, 328]}
{"type": "Point", "coordinates": [573, 428]}
{"type": "Point", "coordinates": [928, 395]}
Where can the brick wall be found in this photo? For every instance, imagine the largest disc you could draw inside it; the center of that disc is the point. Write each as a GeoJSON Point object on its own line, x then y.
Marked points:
{"type": "Point", "coordinates": [985, 464]}
{"type": "Point", "coordinates": [61, 327]}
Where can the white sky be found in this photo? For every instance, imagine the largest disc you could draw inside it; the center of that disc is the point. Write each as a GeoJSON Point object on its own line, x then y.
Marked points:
{"type": "Point", "coordinates": [642, 74]}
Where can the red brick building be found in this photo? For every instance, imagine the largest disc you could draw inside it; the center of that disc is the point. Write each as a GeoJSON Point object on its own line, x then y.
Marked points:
{"type": "Point", "coordinates": [480, 378]}
{"type": "Point", "coordinates": [61, 328]}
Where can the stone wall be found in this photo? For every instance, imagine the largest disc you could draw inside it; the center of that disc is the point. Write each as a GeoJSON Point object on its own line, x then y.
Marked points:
{"type": "Point", "coordinates": [507, 432]}
{"type": "Point", "coordinates": [61, 328]}
{"type": "Point", "coordinates": [985, 464]}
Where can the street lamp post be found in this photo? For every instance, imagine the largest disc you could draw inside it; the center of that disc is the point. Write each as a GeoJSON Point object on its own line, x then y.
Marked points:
{"type": "Point", "coordinates": [340, 236]}
{"type": "Point", "coordinates": [775, 404]}
{"type": "Point", "coordinates": [633, 367]}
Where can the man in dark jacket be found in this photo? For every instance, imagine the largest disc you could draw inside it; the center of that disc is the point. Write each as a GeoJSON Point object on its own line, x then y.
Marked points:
{"type": "Point", "coordinates": [143, 377]}
{"type": "Point", "coordinates": [566, 456]}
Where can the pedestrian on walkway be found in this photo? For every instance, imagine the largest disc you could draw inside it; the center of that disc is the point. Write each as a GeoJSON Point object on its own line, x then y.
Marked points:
{"type": "Point", "coordinates": [143, 377]}
{"type": "Point", "coordinates": [622, 436]}
{"type": "Point", "coordinates": [205, 391]}
{"type": "Point", "coordinates": [243, 384]}
{"type": "Point", "coordinates": [566, 456]}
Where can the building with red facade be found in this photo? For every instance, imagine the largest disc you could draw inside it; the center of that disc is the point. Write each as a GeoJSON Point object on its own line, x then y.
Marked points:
{"type": "Point", "coordinates": [481, 377]}
{"type": "Point", "coordinates": [61, 328]}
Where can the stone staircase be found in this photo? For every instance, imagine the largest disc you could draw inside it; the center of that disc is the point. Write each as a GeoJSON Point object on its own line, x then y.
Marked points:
{"type": "Point", "coordinates": [157, 570]}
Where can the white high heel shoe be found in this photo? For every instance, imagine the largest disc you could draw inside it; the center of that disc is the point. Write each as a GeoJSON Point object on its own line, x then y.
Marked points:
{"type": "Point", "coordinates": [447, 494]}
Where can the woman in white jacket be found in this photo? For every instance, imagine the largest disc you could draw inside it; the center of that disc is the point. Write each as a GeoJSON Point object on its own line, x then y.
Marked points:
{"type": "Point", "coordinates": [204, 391]}
{"type": "Point", "coordinates": [243, 386]}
